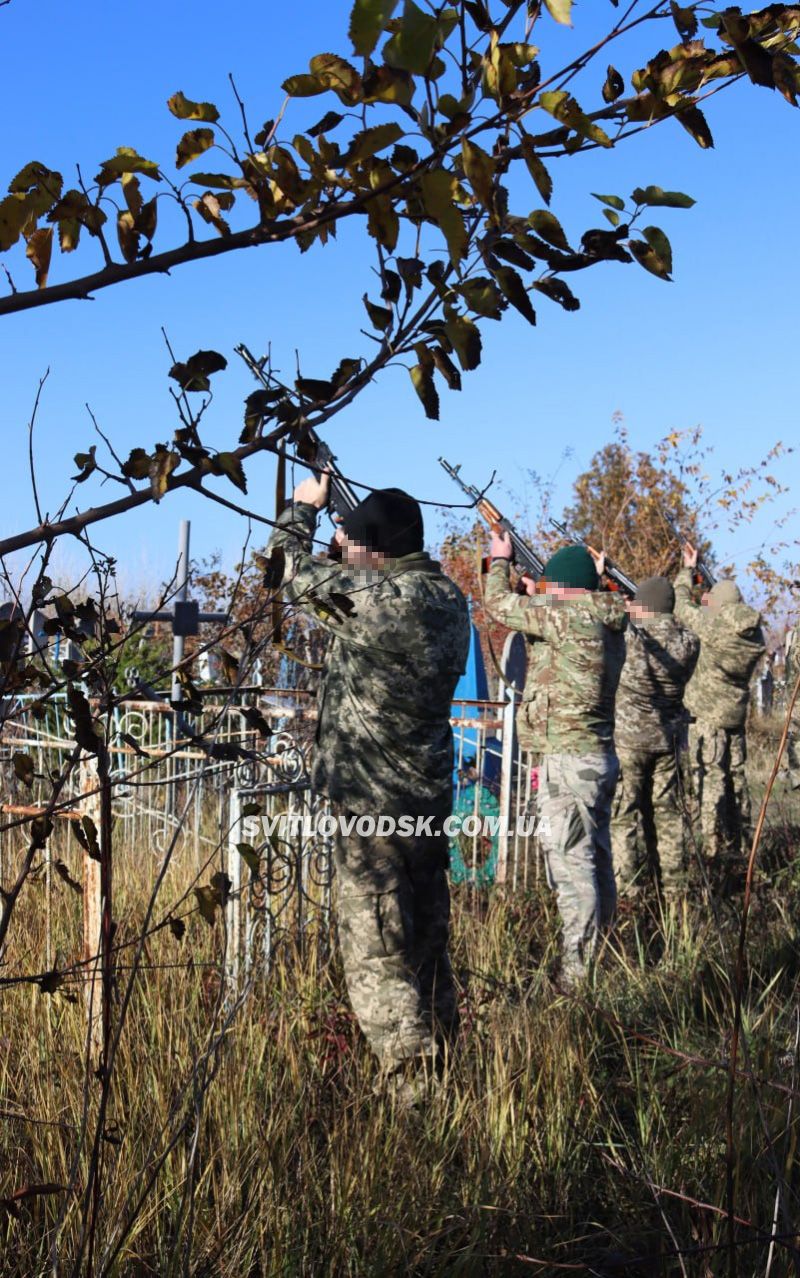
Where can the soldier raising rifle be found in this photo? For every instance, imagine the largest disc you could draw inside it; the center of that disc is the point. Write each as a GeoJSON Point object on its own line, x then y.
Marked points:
{"type": "Point", "coordinates": [647, 828]}
{"type": "Point", "coordinates": [717, 696]}
{"type": "Point", "coordinates": [567, 716]}
{"type": "Point", "coordinates": [567, 713]}
{"type": "Point", "coordinates": [384, 747]}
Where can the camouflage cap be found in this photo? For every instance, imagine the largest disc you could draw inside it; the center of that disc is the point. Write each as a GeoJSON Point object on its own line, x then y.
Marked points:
{"type": "Point", "coordinates": [724, 592]}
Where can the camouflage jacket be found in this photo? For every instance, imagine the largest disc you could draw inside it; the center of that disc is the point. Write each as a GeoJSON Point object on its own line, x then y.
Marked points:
{"type": "Point", "coordinates": [578, 648]}
{"type": "Point", "coordinates": [731, 643]}
{"type": "Point", "coordinates": [400, 638]}
{"type": "Point", "coordinates": [660, 656]}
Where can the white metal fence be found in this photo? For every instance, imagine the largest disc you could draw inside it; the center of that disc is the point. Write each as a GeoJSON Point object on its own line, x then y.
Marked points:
{"type": "Point", "coordinates": [186, 784]}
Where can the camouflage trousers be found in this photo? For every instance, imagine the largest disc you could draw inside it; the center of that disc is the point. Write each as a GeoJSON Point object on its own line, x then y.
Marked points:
{"type": "Point", "coordinates": [574, 802]}
{"type": "Point", "coordinates": [394, 922]}
{"type": "Point", "coordinates": [717, 758]}
{"type": "Point", "coordinates": [647, 826]}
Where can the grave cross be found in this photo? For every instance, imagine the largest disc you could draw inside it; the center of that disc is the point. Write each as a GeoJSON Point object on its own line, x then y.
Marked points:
{"type": "Point", "coordinates": [185, 617]}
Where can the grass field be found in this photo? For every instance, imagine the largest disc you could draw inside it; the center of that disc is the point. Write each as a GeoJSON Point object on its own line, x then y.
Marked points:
{"type": "Point", "coordinates": [573, 1134]}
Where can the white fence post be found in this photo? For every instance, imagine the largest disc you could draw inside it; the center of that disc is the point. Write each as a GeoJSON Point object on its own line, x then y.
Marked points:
{"type": "Point", "coordinates": [233, 908]}
{"type": "Point", "coordinates": [506, 781]}
{"type": "Point", "coordinates": [513, 664]}
{"type": "Point", "coordinates": [92, 914]}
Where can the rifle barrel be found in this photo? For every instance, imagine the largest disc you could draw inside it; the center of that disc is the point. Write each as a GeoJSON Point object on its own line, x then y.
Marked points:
{"type": "Point", "coordinates": [343, 497]}
{"type": "Point", "coordinates": [524, 555]}
{"type": "Point", "coordinates": [454, 473]}
{"type": "Point", "coordinates": [701, 569]}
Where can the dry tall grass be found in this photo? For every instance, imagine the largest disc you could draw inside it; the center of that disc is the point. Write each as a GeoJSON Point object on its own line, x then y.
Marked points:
{"type": "Point", "coordinates": [580, 1135]}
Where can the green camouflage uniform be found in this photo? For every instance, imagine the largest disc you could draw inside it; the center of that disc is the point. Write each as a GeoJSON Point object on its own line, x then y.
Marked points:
{"type": "Point", "coordinates": [400, 637]}
{"type": "Point", "coordinates": [567, 716]}
{"type": "Point", "coordinates": [647, 825]}
{"type": "Point", "coordinates": [717, 696]}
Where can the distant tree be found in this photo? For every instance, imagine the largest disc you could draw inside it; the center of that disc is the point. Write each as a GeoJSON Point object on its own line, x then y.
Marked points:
{"type": "Point", "coordinates": [621, 502]}
{"type": "Point", "coordinates": [460, 554]}
{"type": "Point", "coordinates": [619, 505]}
{"type": "Point", "coordinates": [145, 657]}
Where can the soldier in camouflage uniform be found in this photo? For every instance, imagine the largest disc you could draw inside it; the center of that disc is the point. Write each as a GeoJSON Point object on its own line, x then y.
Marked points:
{"type": "Point", "coordinates": [400, 636]}
{"type": "Point", "coordinates": [647, 825]}
{"type": "Point", "coordinates": [567, 716]}
{"type": "Point", "coordinates": [717, 696]}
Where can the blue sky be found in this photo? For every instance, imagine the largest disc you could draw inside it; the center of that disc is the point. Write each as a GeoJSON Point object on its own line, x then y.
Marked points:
{"type": "Point", "coordinates": [717, 347]}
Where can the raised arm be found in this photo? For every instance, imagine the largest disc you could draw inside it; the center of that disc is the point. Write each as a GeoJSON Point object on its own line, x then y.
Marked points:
{"type": "Point", "coordinates": [690, 613]}
{"type": "Point", "coordinates": [294, 536]}
{"type": "Point", "coordinates": [528, 613]}
{"type": "Point", "coordinates": [319, 587]}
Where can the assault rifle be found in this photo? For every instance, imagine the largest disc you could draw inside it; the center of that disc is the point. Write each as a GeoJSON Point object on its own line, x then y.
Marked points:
{"type": "Point", "coordinates": [702, 574]}
{"type": "Point", "coordinates": [619, 579]}
{"type": "Point", "coordinates": [313, 450]}
{"type": "Point", "coordinates": [526, 559]}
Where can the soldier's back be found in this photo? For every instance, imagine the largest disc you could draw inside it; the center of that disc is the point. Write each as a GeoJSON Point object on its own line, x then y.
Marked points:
{"type": "Point", "coordinates": [732, 643]}
{"type": "Point", "coordinates": [660, 656]}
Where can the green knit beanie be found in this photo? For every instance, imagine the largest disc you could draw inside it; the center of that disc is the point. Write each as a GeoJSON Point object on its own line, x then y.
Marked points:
{"type": "Point", "coordinates": [572, 566]}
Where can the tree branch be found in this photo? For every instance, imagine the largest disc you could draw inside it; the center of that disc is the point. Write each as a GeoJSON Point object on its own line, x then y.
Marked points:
{"type": "Point", "coordinates": [192, 478]}
{"type": "Point", "coordinates": [160, 263]}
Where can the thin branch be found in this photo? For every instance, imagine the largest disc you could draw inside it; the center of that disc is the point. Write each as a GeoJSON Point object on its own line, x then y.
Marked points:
{"type": "Point", "coordinates": [123, 478]}
{"type": "Point", "coordinates": [279, 231]}
{"type": "Point", "coordinates": [192, 478]}
{"type": "Point", "coordinates": [74, 524]}
{"type": "Point", "coordinates": [31, 425]}
{"type": "Point", "coordinates": [100, 232]}
{"type": "Point", "coordinates": [240, 103]}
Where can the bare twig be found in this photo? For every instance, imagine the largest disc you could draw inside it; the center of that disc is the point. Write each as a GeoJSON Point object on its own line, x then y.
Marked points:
{"type": "Point", "coordinates": [240, 104]}
{"type": "Point", "coordinates": [122, 478]}
{"type": "Point", "coordinates": [31, 425]}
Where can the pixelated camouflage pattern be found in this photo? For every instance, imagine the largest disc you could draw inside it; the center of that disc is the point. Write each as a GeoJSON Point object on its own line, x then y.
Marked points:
{"type": "Point", "coordinates": [660, 657]}
{"type": "Point", "coordinates": [648, 824]}
{"type": "Point", "coordinates": [574, 802]}
{"type": "Point", "coordinates": [393, 913]}
{"type": "Point", "coordinates": [400, 638]}
{"type": "Point", "coordinates": [578, 648]}
{"type": "Point", "coordinates": [731, 644]}
{"type": "Point", "coordinates": [717, 758]}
